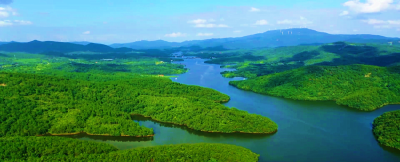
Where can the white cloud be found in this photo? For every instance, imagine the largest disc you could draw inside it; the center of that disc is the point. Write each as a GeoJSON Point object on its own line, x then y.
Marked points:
{"type": "Point", "coordinates": [14, 22]}
{"type": "Point", "coordinates": [198, 21]}
{"type": "Point", "coordinates": [86, 32]}
{"type": "Point", "coordinates": [5, 23]}
{"type": "Point", "coordinates": [374, 21]}
{"type": "Point", "coordinates": [178, 34]}
{"type": "Point", "coordinates": [344, 13]}
{"type": "Point", "coordinates": [370, 6]}
{"type": "Point", "coordinates": [205, 34]}
{"type": "Point", "coordinates": [211, 26]}
{"type": "Point", "coordinates": [261, 22]}
{"type": "Point", "coordinates": [302, 21]}
{"type": "Point", "coordinates": [285, 22]}
{"type": "Point", "coordinates": [394, 22]}
{"type": "Point", "coordinates": [382, 26]}
{"type": "Point", "coordinates": [237, 31]}
{"type": "Point", "coordinates": [7, 11]}
{"type": "Point", "coordinates": [253, 9]}
{"type": "Point", "coordinates": [22, 22]}
{"type": "Point", "coordinates": [355, 30]}
{"type": "Point", "coordinates": [4, 14]}
{"type": "Point", "coordinates": [211, 20]}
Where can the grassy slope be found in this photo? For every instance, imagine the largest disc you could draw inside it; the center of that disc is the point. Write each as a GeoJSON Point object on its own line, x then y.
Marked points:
{"type": "Point", "coordinates": [65, 149]}
{"type": "Point", "coordinates": [363, 87]}
{"type": "Point", "coordinates": [386, 129]}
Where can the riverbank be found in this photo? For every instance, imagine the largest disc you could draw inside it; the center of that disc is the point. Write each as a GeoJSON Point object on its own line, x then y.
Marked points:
{"type": "Point", "coordinates": [76, 133]}
{"type": "Point", "coordinates": [155, 120]}
{"type": "Point", "coordinates": [351, 85]}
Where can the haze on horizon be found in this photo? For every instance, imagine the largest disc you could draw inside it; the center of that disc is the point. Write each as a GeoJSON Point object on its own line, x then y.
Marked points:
{"type": "Point", "coordinates": [179, 20]}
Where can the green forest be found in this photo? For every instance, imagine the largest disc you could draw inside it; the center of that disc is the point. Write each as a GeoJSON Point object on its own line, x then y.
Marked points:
{"type": "Point", "coordinates": [363, 87]}
{"type": "Point", "coordinates": [386, 129]}
{"type": "Point", "coordinates": [45, 104]}
{"type": "Point", "coordinates": [65, 149]}
{"type": "Point", "coordinates": [258, 62]}
{"type": "Point", "coordinates": [46, 94]}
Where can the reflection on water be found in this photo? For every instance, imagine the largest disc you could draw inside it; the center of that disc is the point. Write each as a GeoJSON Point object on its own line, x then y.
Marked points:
{"type": "Point", "coordinates": [151, 123]}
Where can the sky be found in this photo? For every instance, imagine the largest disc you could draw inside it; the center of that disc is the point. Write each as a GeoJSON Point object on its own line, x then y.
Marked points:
{"type": "Point", "coordinates": [122, 21]}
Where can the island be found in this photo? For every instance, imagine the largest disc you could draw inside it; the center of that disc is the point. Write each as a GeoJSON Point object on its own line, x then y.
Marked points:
{"type": "Point", "coordinates": [386, 129]}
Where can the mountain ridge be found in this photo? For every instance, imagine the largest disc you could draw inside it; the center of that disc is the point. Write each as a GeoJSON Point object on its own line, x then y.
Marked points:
{"type": "Point", "coordinates": [273, 38]}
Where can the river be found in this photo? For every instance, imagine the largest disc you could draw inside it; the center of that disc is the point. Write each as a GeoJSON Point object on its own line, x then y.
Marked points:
{"type": "Point", "coordinates": [308, 130]}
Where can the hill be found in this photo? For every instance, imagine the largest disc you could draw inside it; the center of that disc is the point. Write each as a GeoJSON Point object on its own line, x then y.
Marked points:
{"type": "Point", "coordinates": [63, 47]}
{"type": "Point", "coordinates": [81, 42]}
{"type": "Point", "coordinates": [147, 44]}
{"type": "Point", "coordinates": [363, 87]}
{"type": "Point", "coordinates": [386, 129]}
{"type": "Point", "coordinates": [253, 63]}
{"type": "Point", "coordinates": [4, 43]}
{"type": "Point", "coordinates": [274, 38]}
{"type": "Point", "coordinates": [66, 149]}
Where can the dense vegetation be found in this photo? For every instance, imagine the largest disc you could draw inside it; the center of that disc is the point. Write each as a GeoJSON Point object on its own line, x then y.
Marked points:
{"type": "Point", "coordinates": [42, 104]}
{"type": "Point", "coordinates": [253, 63]}
{"type": "Point", "coordinates": [386, 129]}
{"type": "Point", "coordinates": [363, 87]}
{"type": "Point", "coordinates": [61, 94]}
{"type": "Point", "coordinates": [65, 149]}
{"type": "Point", "coordinates": [86, 64]}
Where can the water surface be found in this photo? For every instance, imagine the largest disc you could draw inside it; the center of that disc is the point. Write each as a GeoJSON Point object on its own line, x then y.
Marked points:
{"type": "Point", "coordinates": [308, 130]}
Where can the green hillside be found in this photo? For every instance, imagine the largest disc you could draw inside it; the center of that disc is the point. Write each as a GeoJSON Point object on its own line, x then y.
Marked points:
{"type": "Point", "coordinates": [39, 104]}
{"type": "Point", "coordinates": [363, 87]}
{"type": "Point", "coordinates": [65, 149]}
{"type": "Point", "coordinates": [386, 129]}
{"type": "Point", "coordinates": [253, 63]}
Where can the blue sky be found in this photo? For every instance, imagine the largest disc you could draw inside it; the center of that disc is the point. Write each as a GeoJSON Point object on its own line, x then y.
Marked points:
{"type": "Point", "coordinates": [120, 21]}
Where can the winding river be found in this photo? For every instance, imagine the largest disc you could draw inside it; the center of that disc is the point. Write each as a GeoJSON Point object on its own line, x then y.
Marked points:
{"type": "Point", "coordinates": [308, 131]}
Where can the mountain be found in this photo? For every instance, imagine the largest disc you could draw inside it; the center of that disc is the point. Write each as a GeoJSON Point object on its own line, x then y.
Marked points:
{"type": "Point", "coordinates": [4, 43]}
{"type": "Point", "coordinates": [147, 44]}
{"type": "Point", "coordinates": [81, 43]}
{"type": "Point", "coordinates": [274, 38]}
{"type": "Point", "coordinates": [63, 47]}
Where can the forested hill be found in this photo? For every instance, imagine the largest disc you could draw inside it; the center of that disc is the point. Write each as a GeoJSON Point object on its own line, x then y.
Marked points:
{"type": "Point", "coordinates": [37, 104]}
{"type": "Point", "coordinates": [63, 47]}
{"type": "Point", "coordinates": [363, 87]}
{"type": "Point", "coordinates": [386, 129]}
{"type": "Point", "coordinates": [252, 63]}
{"type": "Point", "coordinates": [66, 149]}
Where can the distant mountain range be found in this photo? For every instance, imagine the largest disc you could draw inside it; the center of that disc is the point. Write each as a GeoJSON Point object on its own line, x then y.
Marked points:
{"type": "Point", "coordinates": [81, 42]}
{"type": "Point", "coordinates": [63, 47]}
{"type": "Point", "coordinates": [274, 38]}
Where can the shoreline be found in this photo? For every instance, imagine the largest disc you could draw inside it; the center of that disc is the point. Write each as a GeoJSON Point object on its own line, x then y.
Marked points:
{"type": "Point", "coordinates": [75, 133]}
{"type": "Point", "coordinates": [205, 130]}
{"type": "Point", "coordinates": [380, 106]}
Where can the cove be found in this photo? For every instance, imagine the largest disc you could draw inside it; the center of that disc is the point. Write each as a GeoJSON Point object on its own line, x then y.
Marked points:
{"type": "Point", "coordinates": [307, 130]}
